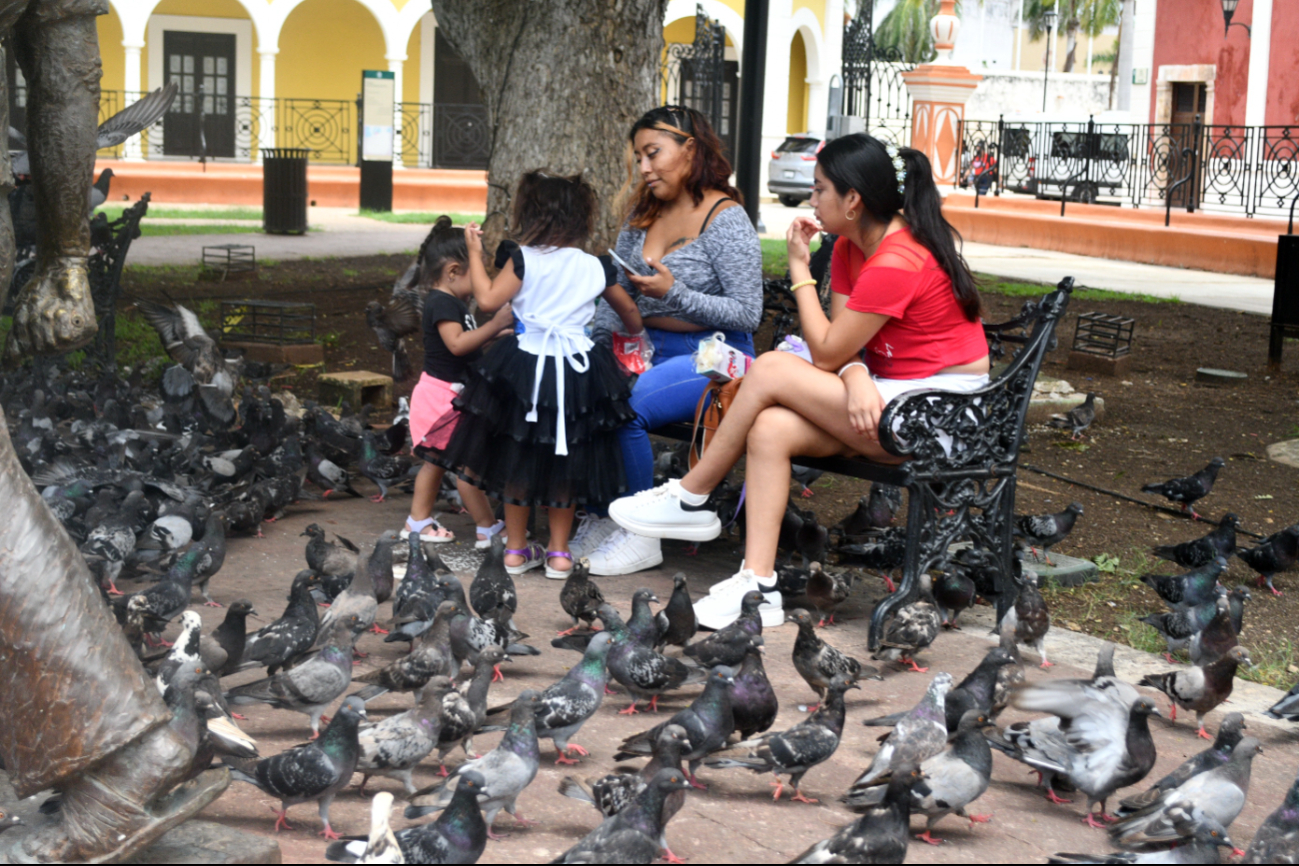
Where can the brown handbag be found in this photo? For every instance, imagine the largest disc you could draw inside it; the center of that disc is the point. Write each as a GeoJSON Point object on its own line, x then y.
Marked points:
{"type": "Point", "coordinates": [709, 412]}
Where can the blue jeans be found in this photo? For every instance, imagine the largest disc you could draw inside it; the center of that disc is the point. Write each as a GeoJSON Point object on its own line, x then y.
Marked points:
{"type": "Point", "coordinates": [666, 393]}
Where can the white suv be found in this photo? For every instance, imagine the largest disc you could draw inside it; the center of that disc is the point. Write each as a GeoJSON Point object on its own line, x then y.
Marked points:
{"type": "Point", "coordinates": [790, 175]}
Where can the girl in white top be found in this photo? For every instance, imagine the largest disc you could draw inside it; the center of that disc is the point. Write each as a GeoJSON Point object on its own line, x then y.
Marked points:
{"type": "Point", "coordinates": [541, 409]}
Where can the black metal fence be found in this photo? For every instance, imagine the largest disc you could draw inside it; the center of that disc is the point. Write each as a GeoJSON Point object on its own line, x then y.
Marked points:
{"type": "Point", "coordinates": [1244, 170]}
{"type": "Point", "coordinates": [694, 74]}
{"type": "Point", "coordinates": [873, 88]}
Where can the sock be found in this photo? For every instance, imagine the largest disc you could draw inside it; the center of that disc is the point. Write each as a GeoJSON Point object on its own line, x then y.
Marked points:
{"type": "Point", "coordinates": [690, 498]}
{"type": "Point", "coordinates": [419, 525]}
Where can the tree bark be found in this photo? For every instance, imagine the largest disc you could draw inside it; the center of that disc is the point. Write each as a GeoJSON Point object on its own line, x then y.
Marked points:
{"type": "Point", "coordinates": [563, 81]}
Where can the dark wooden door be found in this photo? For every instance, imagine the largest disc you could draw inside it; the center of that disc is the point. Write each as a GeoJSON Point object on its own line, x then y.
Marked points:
{"type": "Point", "coordinates": [203, 66]}
{"type": "Point", "coordinates": [460, 130]}
{"type": "Point", "coordinates": [1190, 100]}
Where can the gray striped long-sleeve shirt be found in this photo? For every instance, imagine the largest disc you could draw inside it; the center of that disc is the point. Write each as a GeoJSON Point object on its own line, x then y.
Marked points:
{"type": "Point", "coordinates": [718, 277]}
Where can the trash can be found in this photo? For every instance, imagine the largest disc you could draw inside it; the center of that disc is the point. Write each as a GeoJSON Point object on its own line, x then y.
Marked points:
{"type": "Point", "coordinates": [284, 190]}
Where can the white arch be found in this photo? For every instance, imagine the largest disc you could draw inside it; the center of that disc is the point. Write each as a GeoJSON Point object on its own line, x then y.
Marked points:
{"type": "Point", "coordinates": [407, 20]}
{"type": "Point", "coordinates": [717, 10]}
{"type": "Point", "coordinates": [804, 21]}
{"type": "Point", "coordinates": [394, 38]}
{"type": "Point", "coordinates": [134, 15]}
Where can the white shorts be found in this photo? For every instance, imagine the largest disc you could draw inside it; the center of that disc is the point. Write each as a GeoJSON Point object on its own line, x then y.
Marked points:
{"type": "Point", "coordinates": [961, 383]}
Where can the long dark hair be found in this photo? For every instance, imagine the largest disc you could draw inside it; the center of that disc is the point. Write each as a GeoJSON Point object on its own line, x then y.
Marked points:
{"type": "Point", "coordinates": [552, 210]}
{"type": "Point", "coordinates": [444, 244]}
{"type": "Point", "coordinates": [863, 163]}
{"type": "Point", "coordinates": [710, 169]}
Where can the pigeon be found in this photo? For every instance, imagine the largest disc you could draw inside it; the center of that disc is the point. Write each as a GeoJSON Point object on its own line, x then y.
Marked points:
{"type": "Point", "coordinates": [383, 469]}
{"type": "Point", "coordinates": [1179, 626]}
{"type": "Point", "coordinates": [1028, 619]}
{"type": "Point", "coordinates": [1077, 419]}
{"type": "Point", "coordinates": [1287, 708]}
{"type": "Point", "coordinates": [396, 745]}
{"type": "Point", "coordinates": [708, 722]}
{"type": "Point", "coordinates": [805, 477]}
{"type": "Point", "coordinates": [1229, 736]}
{"type": "Point", "coordinates": [315, 771]}
{"type": "Point", "coordinates": [465, 710]}
{"type": "Point", "coordinates": [358, 600]}
{"type": "Point", "coordinates": [169, 597]}
{"type": "Point", "coordinates": [1212, 642]}
{"type": "Point", "coordinates": [564, 707]}
{"type": "Point", "coordinates": [1189, 490]}
{"type": "Point", "coordinates": [459, 835]}
{"type": "Point", "coordinates": [326, 558]}
{"type": "Point", "coordinates": [1047, 530]}
{"type": "Point", "coordinates": [753, 701]}
{"type": "Point", "coordinates": [920, 734]}
{"type": "Point", "coordinates": [309, 687]}
{"type": "Point", "coordinates": [811, 540]}
{"type": "Point", "coordinates": [817, 662]}
{"type": "Point", "coordinates": [1200, 688]}
{"type": "Point", "coordinates": [612, 793]}
{"type": "Point", "coordinates": [430, 656]}
{"type": "Point", "coordinates": [289, 636]}
{"type": "Point", "coordinates": [1220, 793]}
{"type": "Point", "coordinates": [975, 692]}
{"type": "Point", "coordinates": [1199, 838]}
{"type": "Point", "coordinates": [506, 770]}
{"type": "Point", "coordinates": [580, 597]}
{"type": "Point", "coordinates": [1202, 551]}
{"type": "Point", "coordinates": [1094, 743]}
{"type": "Point", "coordinates": [471, 635]}
{"type": "Point", "coordinates": [953, 592]}
{"type": "Point", "coordinates": [727, 646]}
{"type": "Point", "coordinates": [232, 636]}
{"type": "Point", "coordinates": [880, 835]}
{"type": "Point", "coordinates": [1277, 838]}
{"type": "Point", "coordinates": [1008, 676]}
{"type": "Point", "coordinates": [875, 511]}
{"type": "Point", "coordinates": [632, 835]}
{"type": "Point", "coordinates": [184, 339]}
{"type": "Point", "coordinates": [952, 779]}
{"type": "Point", "coordinates": [676, 621]}
{"type": "Point", "coordinates": [911, 629]}
{"type": "Point", "coordinates": [645, 674]}
{"type": "Point", "coordinates": [392, 325]}
{"type": "Point", "coordinates": [415, 602]}
{"type": "Point", "coordinates": [213, 556]}
{"type": "Point", "coordinates": [1193, 588]}
{"type": "Point", "coordinates": [797, 750]}
{"type": "Point", "coordinates": [1236, 605]}
{"type": "Point", "coordinates": [991, 580]}
{"type": "Point", "coordinates": [492, 586]}
{"type": "Point", "coordinates": [1273, 555]}
{"type": "Point", "coordinates": [881, 554]}
{"type": "Point", "coordinates": [827, 591]}
{"type": "Point", "coordinates": [326, 474]}
{"type": "Point", "coordinates": [382, 845]}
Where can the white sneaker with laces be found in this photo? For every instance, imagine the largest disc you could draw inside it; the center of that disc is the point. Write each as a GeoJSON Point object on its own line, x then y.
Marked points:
{"type": "Point", "coordinates": [721, 606]}
{"type": "Point", "coordinates": [625, 552]}
{"type": "Point", "coordinates": [591, 533]}
{"type": "Point", "coordinates": [660, 513]}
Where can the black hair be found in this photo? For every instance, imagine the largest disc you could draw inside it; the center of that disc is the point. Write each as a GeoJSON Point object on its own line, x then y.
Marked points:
{"type": "Point", "coordinates": [553, 211]}
{"type": "Point", "coordinates": [443, 245]}
{"type": "Point", "coordinates": [863, 163]}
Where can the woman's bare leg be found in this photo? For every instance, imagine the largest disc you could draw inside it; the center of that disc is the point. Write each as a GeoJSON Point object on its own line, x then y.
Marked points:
{"type": "Point", "coordinates": [560, 522]}
{"type": "Point", "coordinates": [516, 531]}
{"type": "Point", "coordinates": [779, 379]}
{"type": "Point", "coordinates": [777, 436]}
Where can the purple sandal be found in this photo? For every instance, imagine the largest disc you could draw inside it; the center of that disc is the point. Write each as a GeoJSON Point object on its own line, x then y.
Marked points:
{"type": "Point", "coordinates": [533, 555]}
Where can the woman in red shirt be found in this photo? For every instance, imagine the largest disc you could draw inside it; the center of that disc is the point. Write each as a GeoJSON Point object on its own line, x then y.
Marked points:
{"type": "Point", "coordinates": [905, 316]}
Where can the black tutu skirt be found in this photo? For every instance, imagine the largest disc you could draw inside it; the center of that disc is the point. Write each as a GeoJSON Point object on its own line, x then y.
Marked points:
{"type": "Point", "coordinates": [496, 448]}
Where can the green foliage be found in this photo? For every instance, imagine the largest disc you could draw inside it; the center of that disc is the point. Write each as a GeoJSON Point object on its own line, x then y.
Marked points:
{"type": "Point", "coordinates": [155, 230]}
{"type": "Point", "coordinates": [114, 210]}
{"type": "Point", "coordinates": [1011, 288]}
{"type": "Point", "coordinates": [420, 217]}
{"type": "Point", "coordinates": [775, 256]}
{"type": "Point", "coordinates": [1106, 563]}
{"type": "Point", "coordinates": [906, 29]}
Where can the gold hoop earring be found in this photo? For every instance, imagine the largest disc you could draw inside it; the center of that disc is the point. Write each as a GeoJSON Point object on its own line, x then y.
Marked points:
{"type": "Point", "coordinates": [851, 215]}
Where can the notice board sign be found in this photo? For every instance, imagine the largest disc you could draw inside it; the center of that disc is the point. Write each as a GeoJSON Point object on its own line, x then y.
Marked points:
{"type": "Point", "coordinates": [377, 98]}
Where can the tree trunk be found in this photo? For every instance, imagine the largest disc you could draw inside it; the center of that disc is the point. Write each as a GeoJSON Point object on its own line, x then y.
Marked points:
{"type": "Point", "coordinates": [1071, 43]}
{"type": "Point", "coordinates": [563, 81]}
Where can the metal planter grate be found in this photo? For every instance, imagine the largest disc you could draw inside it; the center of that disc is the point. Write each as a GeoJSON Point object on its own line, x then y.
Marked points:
{"type": "Point", "coordinates": [228, 259]}
{"type": "Point", "coordinates": [279, 322]}
{"type": "Point", "coordinates": [1102, 335]}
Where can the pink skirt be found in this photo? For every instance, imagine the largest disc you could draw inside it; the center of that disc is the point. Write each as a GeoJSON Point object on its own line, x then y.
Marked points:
{"type": "Point", "coordinates": [432, 417]}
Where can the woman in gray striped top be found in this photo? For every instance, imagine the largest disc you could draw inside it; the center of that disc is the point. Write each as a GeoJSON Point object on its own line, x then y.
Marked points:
{"type": "Point", "coordinates": [699, 269]}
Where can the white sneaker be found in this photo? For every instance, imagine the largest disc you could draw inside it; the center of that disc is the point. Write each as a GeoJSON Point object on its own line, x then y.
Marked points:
{"type": "Point", "coordinates": [660, 513]}
{"type": "Point", "coordinates": [591, 533]}
{"type": "Point", "coordinates": [625, 552]}
{"type": "Point", "coordinates": [717, 610]}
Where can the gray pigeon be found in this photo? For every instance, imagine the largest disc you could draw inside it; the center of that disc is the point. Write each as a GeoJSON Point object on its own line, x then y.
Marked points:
{"type": "Point", "coordinates": [1029, 618]}
{"type": "Point", "coordinates": [1216, 638]}
{"type": "Point", "coordinates": [459, 835]}
{"type": "Point", "coordinates": [359, 598]}
{"type": "Point", "coordinates": [492, 586]}
{"type": "Point", "coordinates": [708, 723]}
{"type": "Point", "coordinates": [1229, 736]}
{"type": "Point", "coordinates": [430, 656]}
{"type": "Point", "coordinates": [1277, 839]}
{"type": "Point", "coordinates": [1200, 689]}
{"type": "Point", "coordinates": [1200, 838]}
{"type": "Point", "coordinates": [1189, 490]}
{"type": "Point", "coordinates": [1077, 419]}
{"type": "Point", "coordinates": [564, 707]}
{"type": "Point", "coordinates": [953, 779]}
{"type": "Point", "coordinates": [1046, 530]}
{"type": "Point", "coordinates": [632, 835]}
{"type": "Point", "coordinates": [315, 771]}
{"type": "Point", "coordinates": [1220, 793]}
{"type": "Point", "coordinates": [880, 835]}
{"type": "Point", "coordinates": [1287, 708]}
{"type": "Point", "coordinates": [920, 734]}
{"type": "Point", "coordinates": [676, 621]}
{"type": "Point", "coordinates": [1178, 626]}
{"type": "Point", "coordinates": [289, 636]}
{"type": "Point", "coordinates": [396, 745]}
{"type": "Point", "coordinates": [1009, 676]}
{"type": "Point", "coordinates": [797, 750]}
{"type": "Point", "coordinates": [506, 770]}
{"type": "Point", "coordinates": [645, 673]}
{"type": "Point", "coordinates": [817, 662]}
{"type": "Point", "coordinates": [464, 710]}
{"type": "Point", "coordinates": [911, 629]}
{"type": "Point", "coordinates": [311, 686]}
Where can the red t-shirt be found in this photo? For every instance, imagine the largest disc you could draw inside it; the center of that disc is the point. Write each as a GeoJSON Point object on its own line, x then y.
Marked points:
{"type": "Point", "coordinates": [927, 330]}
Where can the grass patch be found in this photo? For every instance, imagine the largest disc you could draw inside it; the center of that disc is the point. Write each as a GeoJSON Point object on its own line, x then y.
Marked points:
{"type": "Point", "coordinates": [420, 217]}
{"type": "Point", "coordinates": [998, 286]}
{"type": "Point", "coordinates": [114, 210]}
{"type": "Point", "coordinates": [775, 256]}
{"type": "Point", "coordinates": [156, 230]}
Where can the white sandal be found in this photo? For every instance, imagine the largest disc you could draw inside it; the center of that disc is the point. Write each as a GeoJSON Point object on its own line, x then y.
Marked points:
{"type": "Point", "coordinates": [491, 531]}
{"type": "Point", "coordinates": [421, 525]}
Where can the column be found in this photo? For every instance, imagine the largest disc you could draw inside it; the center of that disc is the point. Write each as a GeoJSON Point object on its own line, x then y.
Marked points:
{"type": "Point", "coordinates": [939, 92]}
{"type": "Point", "coordinates": [394, 66]}
{"type": "Point", "coordinates": [775, 92]}
{"type": "Point", "coordinates": [265, 107]}
{"type": "Point", "coordinates": [1260, 50]}
{"type": "Point", "coordinates": [131, 85]}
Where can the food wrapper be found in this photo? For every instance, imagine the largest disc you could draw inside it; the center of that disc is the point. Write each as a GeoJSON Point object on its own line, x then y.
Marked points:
{"type": "Point", "coordinates": [720, 362]}
{"type": "Point", "coordinates": [795, 345]}
{"type": "Point", "coordinates": [633, 351]}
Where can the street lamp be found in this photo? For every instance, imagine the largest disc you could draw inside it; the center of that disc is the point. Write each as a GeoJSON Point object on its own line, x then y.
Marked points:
{"type": "Point", "coordinates": [1051, 16]}
{"type": "Point", "coordinates": [1228, 10]}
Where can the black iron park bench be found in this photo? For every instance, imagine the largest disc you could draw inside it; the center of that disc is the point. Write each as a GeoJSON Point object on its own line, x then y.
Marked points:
{"type": "Point", "coordinates": [966, 490]}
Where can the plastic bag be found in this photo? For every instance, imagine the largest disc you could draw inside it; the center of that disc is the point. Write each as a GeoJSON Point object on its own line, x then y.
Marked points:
{"type": "Point", "coordinates": [720, 362]}
{"type": "Point", "coordinates": [633, 351]}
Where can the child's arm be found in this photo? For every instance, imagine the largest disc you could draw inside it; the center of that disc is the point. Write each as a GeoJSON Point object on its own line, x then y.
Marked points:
{"type": "Point", "coordinates": [461, 342]}
{"type": "Point", "coordinates": [490, 294]}
{"type": "Point", "coordinates": [622, 304]}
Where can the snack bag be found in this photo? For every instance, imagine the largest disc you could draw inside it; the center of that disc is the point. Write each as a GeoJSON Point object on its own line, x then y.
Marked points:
{"type": "Point", "coordinates": [795, 345]}
{"type": "Point", "coordinates": [720, 362]}
{"type": "Point", "coordinates": [633, 351]}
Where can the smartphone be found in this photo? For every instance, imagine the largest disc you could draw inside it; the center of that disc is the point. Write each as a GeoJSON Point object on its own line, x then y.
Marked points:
{"type": "Point", "coordinates": [626, 267]}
